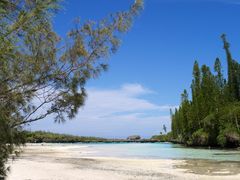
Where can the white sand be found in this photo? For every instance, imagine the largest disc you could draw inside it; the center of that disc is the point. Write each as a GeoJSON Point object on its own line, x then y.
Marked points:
{"type": "Point", "coordinates": [60, 163]}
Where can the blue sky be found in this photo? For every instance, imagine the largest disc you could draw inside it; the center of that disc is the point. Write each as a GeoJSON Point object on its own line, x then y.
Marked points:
{"type": "Point", "coordinates": [153, 65]}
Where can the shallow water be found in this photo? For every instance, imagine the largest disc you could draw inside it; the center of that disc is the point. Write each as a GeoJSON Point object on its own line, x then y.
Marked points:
{"type": "Point", "coordinates": [210, 162]}
{"type": "Point", "coordinates": [155, 151]}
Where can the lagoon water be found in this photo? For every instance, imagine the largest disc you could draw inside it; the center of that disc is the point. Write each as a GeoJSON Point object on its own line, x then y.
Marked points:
{"type": "Point", "coordinates": [153, 151]}
{"type": "Point", "coordinates": [125, 161]}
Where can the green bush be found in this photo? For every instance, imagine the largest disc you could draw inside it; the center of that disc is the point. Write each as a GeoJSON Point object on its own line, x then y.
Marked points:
{"type": "Point", "coordinates": [229, 137]}
{"type": "Point", "coordinates": [199, 138]}
{"type": "Point", "coordinates": [164, 137]}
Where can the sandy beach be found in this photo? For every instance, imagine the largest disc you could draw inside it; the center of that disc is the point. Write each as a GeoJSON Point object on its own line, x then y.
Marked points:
{"type": "Point", "coordinates": [44, 162]}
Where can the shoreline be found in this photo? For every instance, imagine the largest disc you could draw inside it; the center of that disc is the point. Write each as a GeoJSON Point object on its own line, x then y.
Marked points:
{"type": "Point", "coordinates": [49, 137]}
{"type": "Point", "coordinates": [59, 162]}
{"type": "Point", "coordinates": [138, 142]}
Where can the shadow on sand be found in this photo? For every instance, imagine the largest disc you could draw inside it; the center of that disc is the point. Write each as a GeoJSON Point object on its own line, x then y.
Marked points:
{"type": "Point", "coordinates": [210, 167]}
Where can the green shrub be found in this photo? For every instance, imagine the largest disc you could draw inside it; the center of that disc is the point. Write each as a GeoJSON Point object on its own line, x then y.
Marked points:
{"type": "Point", "coordinates": [164, 137]}
{"type": "Point", "coordinates": [229, 137]}
{"type": "Point", "coordinates": [199, 138]}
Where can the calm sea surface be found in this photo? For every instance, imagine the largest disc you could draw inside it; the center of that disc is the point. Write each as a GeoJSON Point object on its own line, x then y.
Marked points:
{"type": "Point", "coordinates": [152, 150]}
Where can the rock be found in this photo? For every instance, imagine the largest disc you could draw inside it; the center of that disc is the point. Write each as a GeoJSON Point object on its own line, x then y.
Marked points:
{"type": "Point", "coordinates": [233, 139]}
{"type": "Point", "coordinates": [134, 138]}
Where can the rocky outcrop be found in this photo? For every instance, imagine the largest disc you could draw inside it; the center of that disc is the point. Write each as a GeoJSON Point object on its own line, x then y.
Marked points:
{"type": "Point", "coordinates": [134, 138]}
{"type": "Point", "coordinates": [233, 139]}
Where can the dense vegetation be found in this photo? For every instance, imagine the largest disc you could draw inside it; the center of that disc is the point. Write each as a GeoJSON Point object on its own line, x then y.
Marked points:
{"type": "Point", "coordinates": [211, 116]}
{"type": "Point", "coordinates": [163, 137]}
{"type": "Point", "coordinates": [42, 74]}
{"type": "Point", "coordinates": [48, 137]}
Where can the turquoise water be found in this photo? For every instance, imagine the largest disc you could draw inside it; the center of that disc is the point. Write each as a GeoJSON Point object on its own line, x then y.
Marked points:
{"type": "Point", "coordinates": [155, 151]}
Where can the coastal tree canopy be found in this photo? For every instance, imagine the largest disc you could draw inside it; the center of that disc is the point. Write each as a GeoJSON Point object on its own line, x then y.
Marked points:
{"type": "Point", "coordinates": [40, 69]}
{"type": "Point", "coordinates": [212, 116]}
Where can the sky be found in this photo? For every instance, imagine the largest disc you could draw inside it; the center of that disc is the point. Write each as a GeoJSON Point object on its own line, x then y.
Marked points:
{"type": "Point", "coordinates": [153, 65]}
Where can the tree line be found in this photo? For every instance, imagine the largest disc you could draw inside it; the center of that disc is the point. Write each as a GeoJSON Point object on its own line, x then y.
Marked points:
{"type": "Point", "coordinates": [211, 115]}
{"type": "Point", "coordinates": [49, 137]}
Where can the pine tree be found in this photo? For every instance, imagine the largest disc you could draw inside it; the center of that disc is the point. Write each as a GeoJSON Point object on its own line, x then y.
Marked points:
{"type": "Point", "coordinates": [37, 64]}
{"type": "Point", "coordinates": [219, 76]}
{"type": "Point", "coordinates": [212, 116]}
{"type": "Point", "coordinates": [233, 79]}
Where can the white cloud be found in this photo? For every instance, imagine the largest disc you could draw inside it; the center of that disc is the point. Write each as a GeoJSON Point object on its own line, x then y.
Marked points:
{"type": "Point", "coordinates": [127, 100]}
{"type": "Point", "coordinates": [135, 89]}
{"type": "Point", "coordinates": [116, 113]}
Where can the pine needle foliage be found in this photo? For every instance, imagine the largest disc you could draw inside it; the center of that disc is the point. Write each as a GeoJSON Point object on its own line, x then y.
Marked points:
{"type": "Point", "coordinates": [212, 116]}
{"type": "Point", "coordinates": [43, 74]}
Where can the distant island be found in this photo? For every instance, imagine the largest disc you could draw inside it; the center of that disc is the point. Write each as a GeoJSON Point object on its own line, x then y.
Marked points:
{"type": "Point", "coordinates": [49, 137]}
